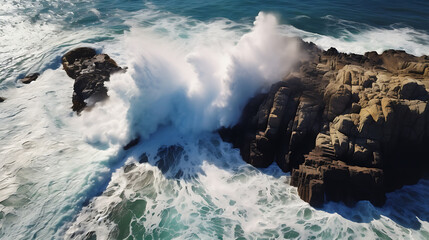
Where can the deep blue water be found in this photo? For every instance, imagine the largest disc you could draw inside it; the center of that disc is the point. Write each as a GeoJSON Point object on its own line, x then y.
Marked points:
{"type": "Point", "coordinates": [381, 14]}
{"type": "Point", "coordinates": [372, 13]}
{"type": "Point", "coordinates": [324, 17]}
{"type": "Point", "coordinates": [192, 65]}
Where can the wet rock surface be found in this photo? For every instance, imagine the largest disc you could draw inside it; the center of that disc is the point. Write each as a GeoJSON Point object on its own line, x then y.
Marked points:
{"type": "Point", "coordinates": [89, 70]}
{"type": "Point", "coordinates": [30, 78]}
{"type": "Point", "coordinates": [349, 127]}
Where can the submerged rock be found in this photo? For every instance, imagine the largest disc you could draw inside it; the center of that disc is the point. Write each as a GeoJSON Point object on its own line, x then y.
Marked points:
{"type": "Point", "coordinates": [132, 143]}
{"type": "Point", "coordinates": [90, 70]}
{"type": "Point", "coordinates": [144, 158]}
{"type": "Point", "coordinates": [350, 127]}
{"type": "Point", "coordinates": [30, 78]}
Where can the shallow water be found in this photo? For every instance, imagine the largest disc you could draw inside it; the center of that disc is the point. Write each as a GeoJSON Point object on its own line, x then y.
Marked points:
{"type": "Point", "coordinates": [191, 68]}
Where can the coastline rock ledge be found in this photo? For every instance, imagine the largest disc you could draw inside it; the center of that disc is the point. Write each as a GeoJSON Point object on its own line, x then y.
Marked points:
{"type": "Point", "coordinates": [349, 127]}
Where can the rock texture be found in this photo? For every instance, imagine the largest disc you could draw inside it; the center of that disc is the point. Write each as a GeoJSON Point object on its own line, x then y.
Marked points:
{"type": "Point", "coordinates": [29, 78]}
{"type": "Point", "coordinates": [349, 127]}
{"type": "Point", "coordinates": [89, 70]}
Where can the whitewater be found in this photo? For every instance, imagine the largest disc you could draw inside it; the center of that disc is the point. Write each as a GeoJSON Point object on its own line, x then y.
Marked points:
{"type": "Point", "coordinates": [67, 176]}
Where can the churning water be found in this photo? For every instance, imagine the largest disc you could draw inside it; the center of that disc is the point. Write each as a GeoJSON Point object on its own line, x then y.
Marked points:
{"type": "Point", "coordinates": [192, 66]}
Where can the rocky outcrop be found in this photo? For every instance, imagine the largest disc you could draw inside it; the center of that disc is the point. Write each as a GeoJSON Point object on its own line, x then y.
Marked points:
{"type": "Point", "coordinates": [323, 176]}
{"type": "Point", "coordinates": [349, 127]}
{"type": "Point", "coordinates": [89, 70]}
{"type": "Point", "coordinates": [274, 126]}
{"type": "Point", "coordinates": [30, 78]}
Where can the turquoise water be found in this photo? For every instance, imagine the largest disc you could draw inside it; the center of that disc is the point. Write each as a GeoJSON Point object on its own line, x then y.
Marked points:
{"type": "Point", "coordinates": [191, 68]}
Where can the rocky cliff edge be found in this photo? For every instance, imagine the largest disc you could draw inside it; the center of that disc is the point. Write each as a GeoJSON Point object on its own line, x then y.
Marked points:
{"type": "Point", "coordinates": [349, 127]}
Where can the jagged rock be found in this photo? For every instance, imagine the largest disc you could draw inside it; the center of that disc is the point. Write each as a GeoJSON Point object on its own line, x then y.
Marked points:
{"type": "Point", "coordinates": [350, 75]}
{"type": "Point", "coordinates": [305, 126]}
{"type": "Point", "coordinates": [308, 180]}
{"type": "Point", "coordinates": [395, 60]}
{"type": "Point", "coordinates": [341, 143]}
{"type": "Point", "coordinates": [280, 126]}
{"type": "Point", "coordinates": [367, 184]}
{"type": "Point", "coordinates": [143, 158]}
{"type": "Point", "coordinates": [261, 152]}
{"type": "Point", "coordinates": [338, 98]}
{"type": "Point", "coordinates": [418, 68]}
{"type": "Point", "coordinates": [90, 71]}
{"type": "Point", "coordinates": [317, 179]}
{"type": "Point", "coordinates": [30, 78]}
{"type": "Point", "coordinates": [316, 196]}
{"type": "Point", "coordinates": [354, 128]}
{"type": "Point", "coordinates": [77, 55]}
{"type": "Point", "coordinates": [277, 112]}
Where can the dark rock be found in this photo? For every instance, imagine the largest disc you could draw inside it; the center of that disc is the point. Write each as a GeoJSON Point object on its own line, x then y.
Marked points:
{"type": "Point", "coordinates": [349, 127]}
{"type": "Point", "coordinates": [332, 52]}
{"type": "Point", "coordinates": [412, 89]}
{"type": "Point", "coordinates": [2, 99]}
{"type": "Point", "coordinates": [29, 78]}
{"type": "Point", "coordinates": [338, 101]}
{"type": "Point", "coordinates": [367, 184]}
{"type": "Point", "coordinates": [355, 108]}
{"type": "Point", "coordinates": [132, 143]}
{"type": "Point", "coordinates": [316, 193]}
{"type": "Point", "coordinates": [143, 158]}
{"type": "Point", "coordinates": [302, 178]}
{"type": "Point", "coordinates": [323, 177]}
{"type": "Point", "coordinates": [90, 71]}
{"type": "Point", "coordinates": [76, 55]}
{"type": "Point", "coordinates": [261, 152]}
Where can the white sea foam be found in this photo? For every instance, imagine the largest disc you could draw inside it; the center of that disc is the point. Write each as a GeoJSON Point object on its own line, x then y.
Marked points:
{"type": "Point", "coordinates": [30, 39]}
{"type": "Point", "coordinates": [209, 192]}
{"type": "Point", "coordinates": [366, 38]}
{"type": "Point", "coordinates": [379, 40]}
{"type": "Point", "coordinates": [46, 169]}
{"type": "Point", "coordinates": [196, 87]}
{"type": "Point", "coordinates": [185, 81]}
{"type": "Point", "coordinates": [188, 75]}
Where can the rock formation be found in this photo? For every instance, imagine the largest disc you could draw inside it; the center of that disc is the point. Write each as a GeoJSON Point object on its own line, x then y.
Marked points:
{"type": "Point", "coordinates": [89, 70]}
{"type": "Point", "coordinates": [1, 99]}
{"type": "Point", "coordinates": [349, 127]}
{"type": "Point", "coordinates": [30, 77]}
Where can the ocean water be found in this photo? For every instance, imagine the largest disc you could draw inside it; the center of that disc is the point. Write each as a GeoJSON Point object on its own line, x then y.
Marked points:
{"type": "Point", "coordinates": [192, 66]}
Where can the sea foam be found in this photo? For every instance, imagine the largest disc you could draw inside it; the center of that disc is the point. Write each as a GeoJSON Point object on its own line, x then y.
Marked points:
{"type": "Point", "coordinates": [185, 77]}
{"type": "Point", "coordinates": [353, 37]}
{"type": "Point", "coordinates": [178, 88]}
{"type": "Point", "coordinates": [192, 87]}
